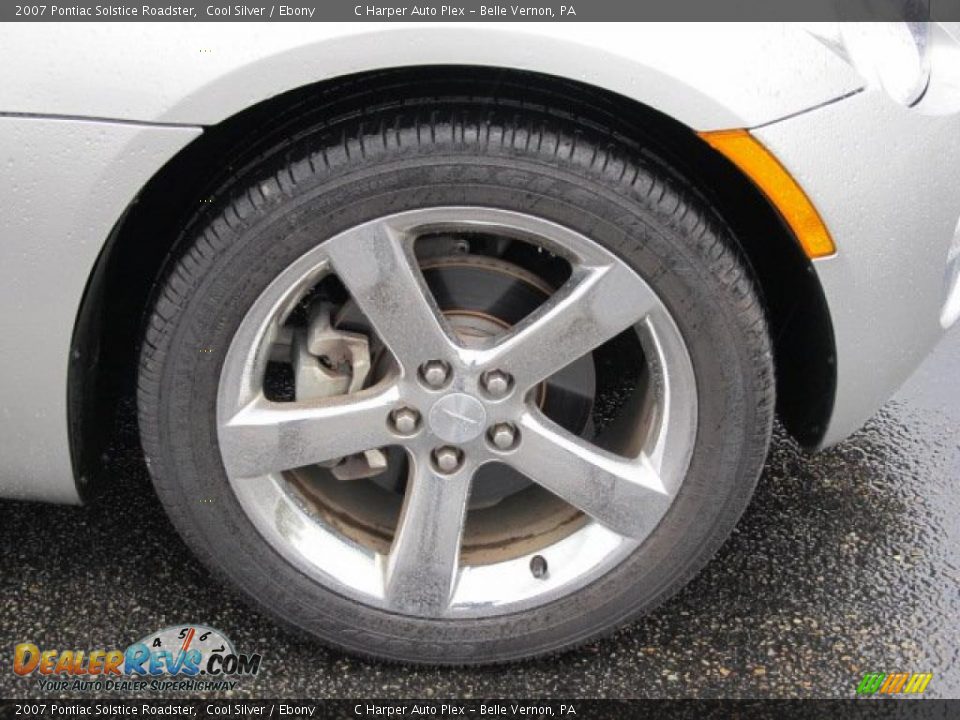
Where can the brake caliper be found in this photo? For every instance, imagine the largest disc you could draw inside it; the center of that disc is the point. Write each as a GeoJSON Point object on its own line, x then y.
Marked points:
{"type": "Point", "coordinates": [328, 362]}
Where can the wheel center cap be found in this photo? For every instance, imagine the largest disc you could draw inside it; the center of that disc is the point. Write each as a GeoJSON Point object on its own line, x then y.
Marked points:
{"type": "Point", "coordinates": [457, 418]}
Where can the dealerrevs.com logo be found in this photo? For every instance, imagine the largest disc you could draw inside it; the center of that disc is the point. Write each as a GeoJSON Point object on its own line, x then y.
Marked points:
{"type": "Point", "coordinates": [186, 657]}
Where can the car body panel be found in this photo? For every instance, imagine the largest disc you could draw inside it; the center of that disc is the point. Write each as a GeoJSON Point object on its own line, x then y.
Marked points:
{"type": "Point", "coordinates": [744, 75]}
{"type": "Point", "coordinates": [885, 180]}
{"type": "Point", "coordinates": [64, 183]}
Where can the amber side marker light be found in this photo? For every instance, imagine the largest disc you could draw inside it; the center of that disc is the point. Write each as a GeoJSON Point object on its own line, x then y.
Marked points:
{"type": "Point", "coordinates": [747, 153]}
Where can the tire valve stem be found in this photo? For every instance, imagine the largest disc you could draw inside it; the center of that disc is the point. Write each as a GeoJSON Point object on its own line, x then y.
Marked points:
{"type": "Point", "coordinates": [538, 566]}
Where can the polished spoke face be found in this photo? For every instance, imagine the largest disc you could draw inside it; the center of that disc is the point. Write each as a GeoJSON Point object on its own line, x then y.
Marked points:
{"type": "Point", "coordinates": [595, 305]}
{"type": "Point", "coordinates": [376, 264]}
{"type": "Point", "coordinates": [266, 437]}
{"type": "Point", "coordinates": [423, 560]}
{"type": "Point", "coordinates": [453, 407]}
{"type": "Point", "coordinates": [626, 495]}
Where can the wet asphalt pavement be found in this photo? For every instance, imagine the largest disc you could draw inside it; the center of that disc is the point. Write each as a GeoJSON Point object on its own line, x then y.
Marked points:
{"type": "Point", "coordinates": [845, 562]}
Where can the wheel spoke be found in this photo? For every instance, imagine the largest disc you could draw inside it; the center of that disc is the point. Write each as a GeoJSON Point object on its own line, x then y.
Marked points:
{"type": "Point", "coordinates": [594, 306]}
{"type": "Point", "coordinates": [266, 437]}
{"type": "Point", "coordinates": [423, 561]}
{"type": "Point", "coordinates": [626, 495]}
{"type": "Point", "coordinates": [377, 266]}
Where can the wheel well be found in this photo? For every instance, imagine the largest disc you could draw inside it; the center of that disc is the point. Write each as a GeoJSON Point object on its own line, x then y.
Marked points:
{"type": "Point", "coordinates": [104, 361]}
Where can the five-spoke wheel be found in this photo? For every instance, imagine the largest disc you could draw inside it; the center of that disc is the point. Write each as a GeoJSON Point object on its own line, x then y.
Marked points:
{"type": "Point", "coordinates": [454, 407]}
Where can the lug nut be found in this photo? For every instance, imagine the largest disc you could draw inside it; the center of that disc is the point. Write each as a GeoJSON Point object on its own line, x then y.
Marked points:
{"type": "Point", "coordinates": [447, 459]}
{"type": "Point", "coordinates": [497, 383]}
{"type": "Point", "coordinates": [405, 420]}
{"type": "Point", "coordinates": [435, 373]}
{"type": "Point", "coordinates": [503, 436]}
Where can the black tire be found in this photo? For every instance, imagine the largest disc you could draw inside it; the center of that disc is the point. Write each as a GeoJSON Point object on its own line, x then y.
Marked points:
{"type": "Point", "coordinates": [456, 152]}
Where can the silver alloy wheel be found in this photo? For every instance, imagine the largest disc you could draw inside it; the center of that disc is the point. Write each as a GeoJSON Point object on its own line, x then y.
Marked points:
{"type": "Point", "coordinates": [421, 575]}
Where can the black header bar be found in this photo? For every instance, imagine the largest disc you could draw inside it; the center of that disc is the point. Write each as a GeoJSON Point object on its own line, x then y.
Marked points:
{"type": "Point", "coordinates": [470, 11]}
